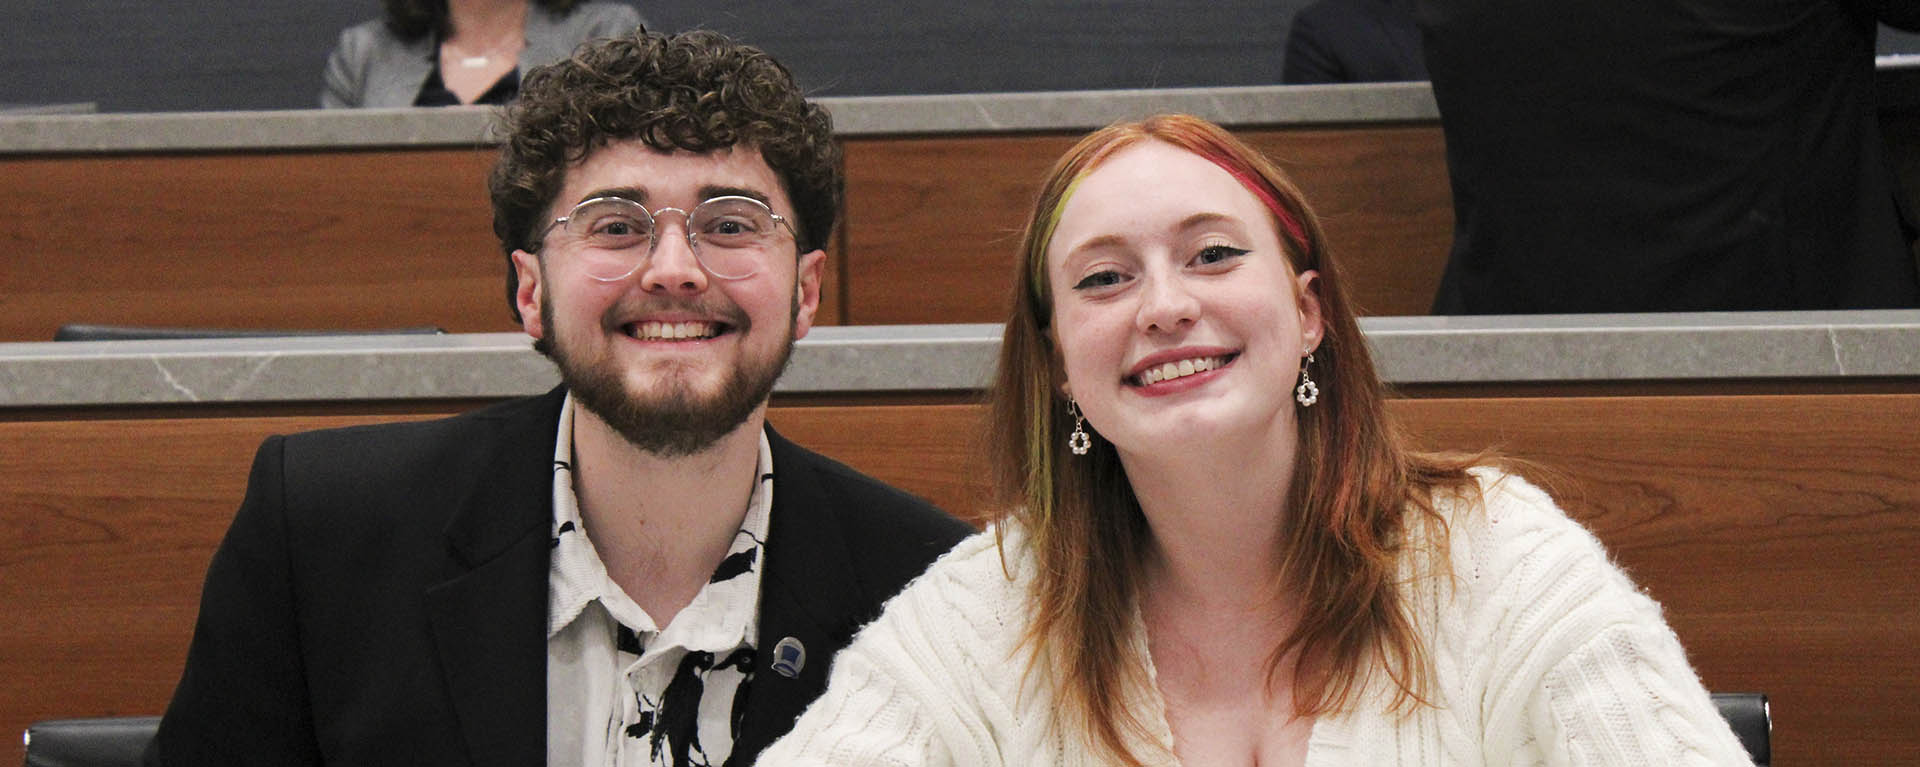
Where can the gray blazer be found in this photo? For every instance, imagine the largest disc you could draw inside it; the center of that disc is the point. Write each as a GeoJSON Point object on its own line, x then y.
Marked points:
{"type": "Point", "coordinates": [373, 68]}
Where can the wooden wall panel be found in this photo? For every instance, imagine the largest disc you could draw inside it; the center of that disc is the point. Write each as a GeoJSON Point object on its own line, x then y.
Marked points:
{"type": "Point", "coordinates": [934, 222]}
{"type": "Point", "coordinates": [399, 238]}
{"type": "Point", "coordinates": [106, 528]}
{"type": "Point", "coordinates": [320, 240]}
{"type": "Point", "coordinates": [350, 240]}
{"type": "Point", "coordinates": [1779, 532]}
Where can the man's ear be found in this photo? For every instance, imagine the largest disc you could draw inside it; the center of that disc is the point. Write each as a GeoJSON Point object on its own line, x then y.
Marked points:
{"type": "Point", "coordinates": [806, 291]}
{"type": "Point", "coordinates": [529, 293]}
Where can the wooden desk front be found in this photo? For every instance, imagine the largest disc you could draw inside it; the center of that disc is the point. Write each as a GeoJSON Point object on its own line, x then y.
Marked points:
{"type": "Point", "coordinates": [1777, 526]}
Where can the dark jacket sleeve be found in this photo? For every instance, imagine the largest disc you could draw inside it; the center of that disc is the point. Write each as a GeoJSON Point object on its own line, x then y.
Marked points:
{"type": "Point", "coordinates": [242, 698]}
{"type": "Point", "coordinates": [1903, 14]}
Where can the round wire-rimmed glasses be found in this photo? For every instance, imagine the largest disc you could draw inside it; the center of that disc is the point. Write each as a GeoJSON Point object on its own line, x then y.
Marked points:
{"type": "Point", "coordinates": [731, 236]}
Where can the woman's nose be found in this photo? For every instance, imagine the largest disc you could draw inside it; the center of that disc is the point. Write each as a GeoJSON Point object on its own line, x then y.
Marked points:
{"type": "Point", "coordinates": [1167, 304]}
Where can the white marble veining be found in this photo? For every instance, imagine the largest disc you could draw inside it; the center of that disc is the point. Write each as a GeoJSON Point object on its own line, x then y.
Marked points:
{"type": "Point", "coordinates": [1085, 110]}
{"type": "Point", "coordinates": [852, 116]}
{"type": "Point", "coordinates": [1630, 347]}
{"type": "Point", "coordinates": [1409, 350]}
{"type": "Point", "coordinates": [212, 131]}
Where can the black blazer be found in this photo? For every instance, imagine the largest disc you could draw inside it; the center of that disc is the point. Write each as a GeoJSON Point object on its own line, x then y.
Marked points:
{"type": "Point", "coordinates": [1673, 156]}
{"type": "Point", "coordinates": [381, 597]}
{"type": "Point", "coordinates": [1353, 41]}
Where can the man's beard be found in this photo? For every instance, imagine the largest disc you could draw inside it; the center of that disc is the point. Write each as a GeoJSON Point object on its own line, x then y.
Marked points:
{"type": "Point", "coordinates": [676, 422]}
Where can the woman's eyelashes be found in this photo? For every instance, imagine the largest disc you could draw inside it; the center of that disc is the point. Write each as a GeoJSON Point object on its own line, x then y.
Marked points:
{"type": "Point", "coordinates": [1208, 257]}
{"type": "Point", "coordinates": [1217, 254]}
{"type": "Point", "coordinates": [1105, 278]}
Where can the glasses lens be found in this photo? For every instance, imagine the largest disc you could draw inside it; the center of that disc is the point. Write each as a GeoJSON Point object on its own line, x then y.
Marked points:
{"type": "Point", "coordinates": [734, 235]}
{"type": "Point", "coordinates": [611, 236]}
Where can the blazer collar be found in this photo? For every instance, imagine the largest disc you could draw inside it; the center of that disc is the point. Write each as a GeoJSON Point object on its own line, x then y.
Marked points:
{"type": "Point", "coordinates": [489, 622]}
{"type": "Point", "coordinates": [809, 595]}
{"type": "Point", "coordinates": [513, 492]}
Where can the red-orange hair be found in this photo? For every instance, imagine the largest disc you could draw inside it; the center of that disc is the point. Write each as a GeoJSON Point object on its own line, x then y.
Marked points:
{"type": "Point", "coordinates": [1355, 483]}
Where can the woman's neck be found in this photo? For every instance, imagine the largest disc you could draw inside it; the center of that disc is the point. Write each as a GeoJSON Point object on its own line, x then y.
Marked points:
{"type": "Point", "coordinates": [1217, 515]}
{"type": "Point", "coordinates": [478, 25]}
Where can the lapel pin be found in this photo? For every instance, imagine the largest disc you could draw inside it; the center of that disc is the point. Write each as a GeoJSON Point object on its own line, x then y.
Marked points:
{"type": "Point", "coordinates": [789, 656]}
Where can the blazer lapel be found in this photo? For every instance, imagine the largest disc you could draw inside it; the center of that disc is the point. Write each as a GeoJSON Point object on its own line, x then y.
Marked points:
{"type": "Point", "coordinates": [489, 623]}
{"type": "Point", "coordinates": [808, 595]}
{"type": "Point", "coordinates": [396, 79]}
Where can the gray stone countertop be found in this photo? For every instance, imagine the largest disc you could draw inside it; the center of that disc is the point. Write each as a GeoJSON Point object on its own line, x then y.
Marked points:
{"type": "Point", "coordinates": [852, 116]}
{"type": "Point", "coordinates": [851, 359]}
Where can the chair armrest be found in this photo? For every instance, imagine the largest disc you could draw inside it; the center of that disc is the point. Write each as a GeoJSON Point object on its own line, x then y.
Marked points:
{"type": "Point", "coordinates": [97, 742]}
{"type": "Point", "coordinates": [1752, 722]}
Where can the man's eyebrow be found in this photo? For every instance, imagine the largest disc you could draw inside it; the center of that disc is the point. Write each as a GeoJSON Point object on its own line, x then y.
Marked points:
{"type": "Point", "coordinates": [710, 192]}
{"type": "Point", "coordinates": [633, 193]}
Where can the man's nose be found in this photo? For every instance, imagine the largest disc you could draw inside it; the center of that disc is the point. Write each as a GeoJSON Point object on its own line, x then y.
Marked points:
{"type": "Point", "coordinates": [672, 266]}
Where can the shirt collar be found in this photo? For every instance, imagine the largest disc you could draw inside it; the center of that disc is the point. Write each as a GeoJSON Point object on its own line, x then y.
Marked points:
{"type": "Point", "coordinates": [724, 615]}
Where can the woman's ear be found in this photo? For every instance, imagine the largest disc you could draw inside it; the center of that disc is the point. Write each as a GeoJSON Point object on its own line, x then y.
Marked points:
{"type": "Point", "coordinates": [1307, 297]}
{"type": "Point", "coordinates": [1057, 365]}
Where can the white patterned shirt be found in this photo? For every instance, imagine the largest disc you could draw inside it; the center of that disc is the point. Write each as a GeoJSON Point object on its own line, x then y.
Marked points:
{"type": "Point", "coordinates": [623, 691]}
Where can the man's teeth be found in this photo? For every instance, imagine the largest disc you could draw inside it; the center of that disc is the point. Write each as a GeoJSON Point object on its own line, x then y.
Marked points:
{"type": "Point", "coordinates": [1180, 369]}
{"type": "Point", "coordinates": [669, 331]}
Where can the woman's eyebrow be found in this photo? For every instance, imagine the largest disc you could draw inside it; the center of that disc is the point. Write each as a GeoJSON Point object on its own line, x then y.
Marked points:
{"type": "Point", "coordinates": [1203, 217]}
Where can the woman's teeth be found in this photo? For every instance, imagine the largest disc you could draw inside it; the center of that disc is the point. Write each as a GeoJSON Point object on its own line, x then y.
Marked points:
{"type": "Point", "coordinates": [671, 331]}
{"type": "Point", "coordinates": [1180, 369]}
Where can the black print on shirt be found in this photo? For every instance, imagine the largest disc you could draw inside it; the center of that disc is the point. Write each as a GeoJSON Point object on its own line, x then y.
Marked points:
{"type": "Point", "coordinates": [565, 527]}
{"type": "Point", "coordinates": [628, 641]}
{"type": "Point", "coordinates": [734, 565]}
{"type": "Point", "coordinates": [672, 725]}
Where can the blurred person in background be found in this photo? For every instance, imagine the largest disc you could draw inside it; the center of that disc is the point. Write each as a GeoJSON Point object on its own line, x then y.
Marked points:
{"type": "Point", "coordinates": [430, 53]}
{"type": "Point", "coordinates": [1354, 41]}
{"type": "Point", "coordinates": [1673, 155]}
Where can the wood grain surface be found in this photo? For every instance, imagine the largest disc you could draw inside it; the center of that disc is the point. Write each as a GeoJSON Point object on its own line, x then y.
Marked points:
{"type": "Point", "coordinates": [934, 222]}
{"type": "Point", "coordinates": [1778, 531]}
{"type": "Point", "coordinates": [324, 240]}
{"type": "Point", "coordinates": [360, 240]}
{"type": "Point", "coordinates": [349, 240]}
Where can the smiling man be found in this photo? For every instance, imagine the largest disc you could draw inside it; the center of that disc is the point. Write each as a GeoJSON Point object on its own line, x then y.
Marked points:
{"type": "Point", "coordinates": [633, 569]}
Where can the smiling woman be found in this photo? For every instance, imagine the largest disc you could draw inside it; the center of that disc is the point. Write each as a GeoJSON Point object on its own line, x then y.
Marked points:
{"type": "Point", "coordinates": [1238, 559]}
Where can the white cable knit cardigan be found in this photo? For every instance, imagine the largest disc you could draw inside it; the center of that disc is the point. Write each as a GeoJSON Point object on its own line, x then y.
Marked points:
{"type": "Point", "coordinates": [1544, 653]}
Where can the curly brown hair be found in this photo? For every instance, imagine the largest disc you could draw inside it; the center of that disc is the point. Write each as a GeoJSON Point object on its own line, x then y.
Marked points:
{"type": "Point", "coordinates": [697, 91]}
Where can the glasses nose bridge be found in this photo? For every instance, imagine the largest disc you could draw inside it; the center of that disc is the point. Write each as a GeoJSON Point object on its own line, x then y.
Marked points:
{"type": "Point", "coordinates": [659, 226]}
